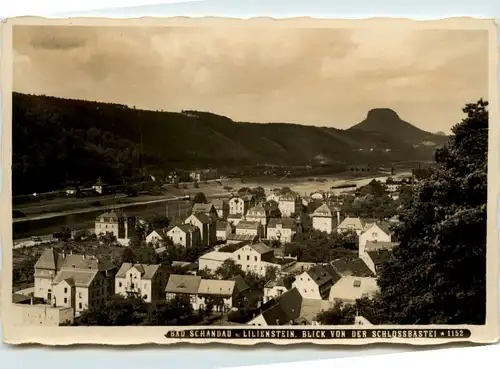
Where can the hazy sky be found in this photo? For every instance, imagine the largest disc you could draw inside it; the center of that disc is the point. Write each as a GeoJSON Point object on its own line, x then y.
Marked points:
{"type": "Point", "coordinates": [325, 77]}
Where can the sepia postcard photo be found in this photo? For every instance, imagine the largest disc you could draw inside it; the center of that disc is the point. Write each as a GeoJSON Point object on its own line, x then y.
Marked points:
{"type": "Point", "coordinates": [246, 181]}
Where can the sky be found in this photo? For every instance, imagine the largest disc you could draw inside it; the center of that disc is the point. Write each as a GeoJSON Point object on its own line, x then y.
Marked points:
{"type": "Point", "coordinates": [312, 76]}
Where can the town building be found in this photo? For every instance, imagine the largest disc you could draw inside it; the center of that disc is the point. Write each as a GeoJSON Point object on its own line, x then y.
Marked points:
{"type": "Point", "coordinates": [289, 205]}
{"type": "Point", "coordinates": [352, 266]}
{"type": "Point", "coordinates": [218, 293]}
{"type": "Point", "coordinates": [351, 288]}
{"type": "Point", "coordinates": [221, 207]}
{"type": "Point", "coordinates": [76, 281]}
{"type": "Point", "coordinates": [246, 227]}
{"type": "Point", "coordinates": [234, 238]}
{"type": "Point", "coordinates": [323, 219]}
{"type": "Point", "coordinates": [273, 196]}
{"type": "Point", "coordinates": [241, 204]}
{"type": "Point", "coordinates": [282, 310]}
{"type": "Point", "coordinates": [351, 225]}
{"type": "Point", "coordinates": [147, 281]}
{"type": "Point", "coordinates": [213, 260]}
{"type": "Point", "coordinates": [99, 186]}
{"type": "Point", "coordinates": [318, 195]}
{"type": "Point", "coordinates": [117, 223]}
{"type": "Point", "coordinates": [156, 237]}
{"type": "Point", "coordinates": [375, 232]}
{"type": "Point", "coordinates": [375, 259]}
{"type": "Point", "coordinates": [275, 288]}
{"type": "Point", "coordinates": [183, 287]}
{"type": "Point", "coordinates": [257, 257]}
{"type": "Point", "coordinates": [316, 282]}
{"type": "Point", "coordinates": [207, 209]}
{"type": "Point", "coordinates": [223, 229]}
{"type": "Point", "coordinates": [258, 214]}
{"type": "Point", "coordinates": [282, 229]}
{"type": "Point", "coordinates": [203, 175]}
{"type": "Point", "coordinates": [186, 235]}
{"type": "Point", "coordinates": [207, 227]}
{"type": "Point", "coordinates": [41, 315]}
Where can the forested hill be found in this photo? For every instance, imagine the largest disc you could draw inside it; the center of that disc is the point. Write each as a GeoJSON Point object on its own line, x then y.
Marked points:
{"type": "Point", "coordinates": [56, 141]}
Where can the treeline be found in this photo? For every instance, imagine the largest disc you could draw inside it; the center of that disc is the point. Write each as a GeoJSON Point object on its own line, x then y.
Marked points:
{"type": "Point", "coordinates": [77, 141]}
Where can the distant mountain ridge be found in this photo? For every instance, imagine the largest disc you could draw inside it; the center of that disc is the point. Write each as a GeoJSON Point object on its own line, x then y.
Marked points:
{"type": "Point", "coordinates": [387, 122]}
{"type": "Point", "coordinates": [82, 140]}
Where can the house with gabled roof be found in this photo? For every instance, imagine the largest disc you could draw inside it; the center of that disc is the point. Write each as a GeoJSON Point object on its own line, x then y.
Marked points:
{"type": "Point", "coordinates": [207, 209]}
{"type": "Point", "coordinates": [184, 287]}
{"type": "Point", "coordinates": [323, 218]}
{"type": "Point", "coordinates": [351, 224]}
{"type": "Point", "coordinates": [258, 213]}
{"type": "Point", "coordinates": [275, 288]}
{"type": "Point", "coordinates": [73, 280]}
{"type": "Point", "coordinates": [219, 293]}
{"type": "Point", "coordinates": [156, 237]}
{"type": "Point", "coordinates": [351, 288]}
{"type": "Point", "coordinates": [289, 204]}
{"type": "Point", "coordinates": [221, 207]}
{"type": "Point", "coordinates": [282, 310]}
{"type": "Point", "coordinates": [376, 258]}
{"type": "Point", "coordinates": [316, 282]}
{"type": "Point", "coordinates": [206, 226]}
{"type": "Point", "coordinates": [257, 257]}
{"type": "Point", "coordinates": [240, 204]}
{"type": "Point", "coordinates": [147, 281]}
{"type": "Point", "coordinates": [117, 223]}
{"type": "Point", "coordinates": [282, 229]}
{"type": "Point", "coordinates": [223, 230]}
{"type": "Point", "coordinates": [186, 235]}
{"type": "Point", "coordinates": [250, 228]}
{"type": "Point", "coordinates": [375, 232]}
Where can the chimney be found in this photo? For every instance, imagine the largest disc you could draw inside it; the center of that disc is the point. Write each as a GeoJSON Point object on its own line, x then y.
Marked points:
{"type": "Point", "coordinates": [338, 217]}
{"type": "Point", "coordinates": [31, 300]}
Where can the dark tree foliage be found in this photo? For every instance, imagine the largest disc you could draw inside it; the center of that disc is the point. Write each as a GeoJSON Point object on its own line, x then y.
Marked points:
{"type": "Point", "coordinates": [438, 273]}
{"type": "Point", "coordinates": [199, 198]}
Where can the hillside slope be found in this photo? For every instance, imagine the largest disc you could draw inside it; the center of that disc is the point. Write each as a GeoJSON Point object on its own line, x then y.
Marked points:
{"type": "Point", "coordinates": [57, 141]}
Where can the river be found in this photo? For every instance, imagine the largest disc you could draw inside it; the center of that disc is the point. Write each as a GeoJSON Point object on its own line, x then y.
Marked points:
{"type": "Point", "coordinates": [85, 220]}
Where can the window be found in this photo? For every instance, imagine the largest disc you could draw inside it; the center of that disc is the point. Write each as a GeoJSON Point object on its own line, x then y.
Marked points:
{"type": "Point", "coordinates": [145, 297]}
{"type": "Point", "coordinates": [79, 294]}
{"type": "Point", "coordinates": [255, 258]}
{"type": "Point", "coordinates": [248, 257]}
{"type": "Point", "coordinates": [239, 257]}
{"type": "Point", "coordinates": [65, 290]}
{"type": "Point", "coordinates": [65, 300]}
{"type": "Point", "coordinates": [374, 234]}
{"type": "Point", "coordinates": [119, 284]}
{"type": "Point", "coordinates": [180, 238]}
{"type": "Point", "coordinates": [357, 283]}
{"type": "Point", "coordinates": [80, 305]}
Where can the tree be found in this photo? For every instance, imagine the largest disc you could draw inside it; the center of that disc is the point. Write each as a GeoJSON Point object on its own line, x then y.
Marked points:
{"type": "Point", "coordinates": [199, 198]}
{"type": "Point", "coordinates": [229, 269]}
{"type": "Point", "coordinates": [271, 273]}
{"type": "Point", "coordinates": [337, 315]}
{"type": "Point", "coordinates": [438, 273]}
{"type": "Point", "coordinates": [128, 256]}
{"type": "Point", "coordinates": [159, 221]}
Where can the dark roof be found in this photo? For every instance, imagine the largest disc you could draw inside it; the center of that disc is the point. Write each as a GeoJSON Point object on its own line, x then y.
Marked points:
{"type": "Point", "coordinates": [241, 237]}
{"type": "Point", "coordinates": [19, 299]}
{"type": "Point", "coordinates": [186, 228]}
{"type": "Point", "coordinates": [241, 285]}
{"type": "Point", "coordinates": [281, 282]}
{"type": "Point", "coordinates": [202, 218]}
{"type": "Point", "coordinates": [379, 256]}
{"type": "Point", "coordinates": [247, 224]}
{"type": "Point", "coordinates": [220, 204]}
{"type": "Point", "coordinates": [354, 266]}
{"type": "Point", "coordinates": [285, 223]}
{"type": "Point", "coordinates": [261, 248]}
{"type": "Point", "coordinates": [284, 308]}
{"type": "Point", "coordinates": [112, 216]}
{"type": "Point", "coordinates": [147, 270]}
{"type": "Point", "coordinates": [321, 275]}
{"type": "Point", "coordinates": [50, 259]}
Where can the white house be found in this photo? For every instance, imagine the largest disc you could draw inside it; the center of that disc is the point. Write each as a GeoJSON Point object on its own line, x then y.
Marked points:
{"type": "Point", "coordinates": [185, 234]}
{"type": "Point", "coordinates": [351, 224]}
{"type": "Point", "coordinates": [316, 282]}
{"type": "Point", "coordinates": [213, 259]}
{"type": "Point", "coordinates": [220, 293]}
{"type": "Point", "coordinates": [249, 228]}
{"type": "Point", "coordinates": [323, 219]}
{"type": "Point", "coordinates": [207, 209]}
{"type": "Point", "coordinates": [223, 229]}
{"type": "Point", "coordinates": [206, 226]}
{"type": "Point", "coordinates": [351, 288]}
{"type": "Point", "coordinates": [156, 237]}
{"type": "Point", "coordinates": [273, 289]}
{"type": "Point", "coordinates": [241, 204]}
{"type": "Point", "coordinates": [273, 196]}
{"type": "Point", "coordinates": [234, 219]}
{"type": "Point", "coordinates": [147, 281]}
{"type": "Point", "coordinates": [374, 233]}
{"type": "Point", "coordinates": [258, 214]}
{"type": "Point", "coordinates": [318, 195]}
{"type": "Point", "coordinates": [282, 229]}
{"type": "Point", "coordinates": [288, 205]}
{"type": "Point", "coordinates": [257, 257]}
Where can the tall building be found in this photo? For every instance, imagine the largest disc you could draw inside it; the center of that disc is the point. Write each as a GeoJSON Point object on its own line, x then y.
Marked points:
{"type": "Point", "coordinates": [118, 224]}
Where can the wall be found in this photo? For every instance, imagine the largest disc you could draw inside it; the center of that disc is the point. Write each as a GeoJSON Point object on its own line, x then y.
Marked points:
{"type": "Point", "coordinates": [306, 287]}
{"type": "Point", "coordinates": [323, 224]}
{"type": "Point", "coordinates": [373, 234]}
{"type": "Point", "coordinates": [41, 315]}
